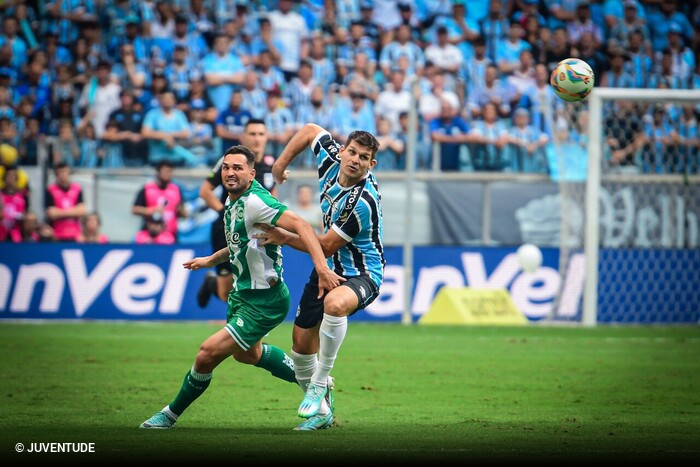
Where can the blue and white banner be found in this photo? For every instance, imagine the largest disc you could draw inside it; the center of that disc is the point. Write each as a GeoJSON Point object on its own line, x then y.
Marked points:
{"type": "Point", "coordinates": [134, 282]}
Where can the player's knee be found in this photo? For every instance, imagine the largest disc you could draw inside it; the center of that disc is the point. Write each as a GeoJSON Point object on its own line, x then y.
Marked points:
{"type": "Point", "coordinates": [334, 306]}
{"type": "Point", "coordinates": [251, 357]}
{"type": "Point", "coordinates": [205, 357]}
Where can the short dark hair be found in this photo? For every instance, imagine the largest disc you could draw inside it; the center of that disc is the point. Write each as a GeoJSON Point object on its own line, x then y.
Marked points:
{"type": "Point", "coordinates": [240, 149]}
{"type": "Point", "coordinates": [365, 139]}
{"type": "Point", "coordinates": [60, 165]}
{"type": "Point", "coordinates": [164, 163]}
{"type": "Point", "coordinates": [254, 121]}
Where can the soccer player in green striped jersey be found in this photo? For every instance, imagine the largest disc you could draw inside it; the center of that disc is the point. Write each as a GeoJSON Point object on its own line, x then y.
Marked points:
{"type": "Point", "coordinates": [259, 300]}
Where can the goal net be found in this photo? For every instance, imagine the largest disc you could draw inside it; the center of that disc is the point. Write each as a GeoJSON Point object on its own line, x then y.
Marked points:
{"type": "Point", "coordinates": [629, 236]}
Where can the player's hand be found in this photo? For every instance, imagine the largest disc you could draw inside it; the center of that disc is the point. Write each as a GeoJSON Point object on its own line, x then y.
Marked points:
{"type": "Point", "coordinates": [280, 173]}
{"type": "Point", "coordinates": [270, 235]}
{"type": "Point", "coordinates": [327, 281]}
{"type": "Point", "coordinates": [198, 263]}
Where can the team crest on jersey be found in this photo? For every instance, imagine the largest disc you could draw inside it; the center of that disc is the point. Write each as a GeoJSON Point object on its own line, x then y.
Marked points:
{"type": "Point", "coordinates": [239, 213]}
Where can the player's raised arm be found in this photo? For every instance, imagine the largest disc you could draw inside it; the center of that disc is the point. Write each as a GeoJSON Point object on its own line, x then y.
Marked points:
{"type": "Point", "coordinates": [327, 279]}
{"type": "Point", "coordinates": [300, 141]}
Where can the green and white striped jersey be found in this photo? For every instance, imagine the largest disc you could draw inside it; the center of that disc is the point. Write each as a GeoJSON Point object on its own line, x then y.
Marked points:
{"type": "Point", "coordinates": [253, 266]}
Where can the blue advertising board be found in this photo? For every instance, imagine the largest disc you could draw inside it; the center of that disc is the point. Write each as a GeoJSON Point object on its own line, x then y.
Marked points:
{"type": "Point", "coordinates": [138, 282]}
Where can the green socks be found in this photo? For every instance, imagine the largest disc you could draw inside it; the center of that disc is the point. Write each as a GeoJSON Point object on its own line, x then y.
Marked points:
{"type": "Point", "coordinates": [275, 361]}
{"type": "Point", "coordinates": [192, 387]}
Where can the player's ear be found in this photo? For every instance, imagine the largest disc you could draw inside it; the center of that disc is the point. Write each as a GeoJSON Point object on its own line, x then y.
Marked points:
{"type": "Point", "coordinates": [373, 162]}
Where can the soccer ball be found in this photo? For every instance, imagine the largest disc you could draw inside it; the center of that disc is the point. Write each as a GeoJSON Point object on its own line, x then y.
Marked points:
{"type": "Point", "coordinates": [529, 257]}
{"type": "Point", "coordinates": [572, 79]}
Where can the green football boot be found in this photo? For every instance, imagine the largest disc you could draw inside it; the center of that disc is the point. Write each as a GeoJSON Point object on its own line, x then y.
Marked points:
{"type": "Point", "coordinates": [312, 401]}
{"type": "Point", "coordinates": [160, 421]}
{"type": "Point", "coordinates": [317, 422]}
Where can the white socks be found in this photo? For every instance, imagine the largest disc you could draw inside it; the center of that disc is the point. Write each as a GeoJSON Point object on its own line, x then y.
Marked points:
{"type": "Point", "coordinates": [304, 368]}
{"type": "Point", "coordinates": [332, 333]}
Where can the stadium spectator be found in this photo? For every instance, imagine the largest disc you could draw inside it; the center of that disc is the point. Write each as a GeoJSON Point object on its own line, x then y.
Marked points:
{"type": "Point", "coordinates": [163, 128]}
{"type": "Point", "coordinates": [640, 64]}
{"type": "Point", "coordinates": [323, 69]}
{"type": "Point", "coordinates": [279, 122]}
{"type": "Point", "coordinates": [430, 104]}
{"type": "Point", "coordinates": [91, 230]}
{"type": "Point", "coordinates": [494, 90]}
{"type": "Point", "coordinates": [100, 97]}
{"type": "Point", "coordinates": [317, 110]}
{"type": "Point", "coordinates": [230, 123]}
{"type": "Point", "coordinates": [616, 76]}
{"type": "Point", "coordinates": [180, 72]}
{"type": "Point", "coordinates": [269, 75]}
{"type": "Point", "coordinates": [110, 147]}
{"type": "Point", "coordinates": [451, 131]}
{"type": "Point", "coordinates": [659, 150]}
{"type": "Point", "coordinates": [660, 22]}
{"type": "Point", "coordinates": [624, 133]}
{"type": "Point", "coordinates": [222, 71]}
{"type": "Point", "coordinates": [36, 87]}
{"type": "Point", "coordinates": [154, 232]}
{"type": "Point", "coordinates": [254, 98]}
{"type": "Point", "coordinates": [539, 97]}
{"type": "Point", "coordinates": [509, 50]}
{"type": "Point", "coordinates": [630, 22]}
{"type": "Point", "coordinates": [359, 117]}
{"type": "Point", "coordinates": [557, 50]}
{"type": "Point", "coordinates": [131, 36]}
{"type": "Point", "coordinates": [474, 68]}
{"type": "Point", "coordinates": [494, 29]}
{"type": "Point", "coordinates": [306, 208]}
{"type": "Point", "coordinates": [665, 78]}
{"type": "Point", "coordinates": [200, 19]}
{"type": "Point", "coordinates": [16, 44]}
{"type": "Point", "coordinates": [682, 58]}
{"type": "Point", "coordinates": [358, 43]}
{"type": "Point", "coordinates": [587, 51]}
{"type": "Point", "coordinates": [91, 154]}
{"type": "Point", "coordinates": [290, 31]}
{"type": "Point", "coordinates": [192, 41]}
{"type": "Point", "coordinates": [444, 55]}
{"type": "Point", "coordinates": [161, 196]}
{"type": "Point", "coordinates": [390, 147]}
{"type": "Point", "coordinates": [63, 88]}
{"type": "Point", "coordinates": [198, 97]}
{"type": "Point", "coordinates": [523, 77]}
{"type": "Point", "coordinates": [67, 147]}
{"type": "Point", "coordinates": [8, 132]}
{"type": "Point", "coordinates": [13, 205]}
{"type": "Point", "coordinates": [584, 24]}
{"type": "Point", "coordinates": [527, 144]}
{"type": "Point", "coordinates": [30, 139]}
{"type": "Point", "coordinates": [201, 143]}
{"type": "Point", "coordinates": [393, 100]}
{"type": "Point", "coordinates": [489, 135]}
{"type": "Point", "coordinates": [299, 89]}
{"type": "Point", "coordinates": [64, 204]}
{"type": "Point", "coordinates": [402, 48]}
{"type": "Point", "coordinates": [29, 229]}
{"type": "Point", "coordinates": [129, 119]}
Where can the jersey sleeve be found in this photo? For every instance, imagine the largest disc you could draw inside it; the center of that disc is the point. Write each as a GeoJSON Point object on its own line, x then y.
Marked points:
{"type": "Point", "coordinates": [326, 150]}
{"type": "Point", "coordinates": [264, 209]}
{"type": "Point", "coordinates": [214, 177]}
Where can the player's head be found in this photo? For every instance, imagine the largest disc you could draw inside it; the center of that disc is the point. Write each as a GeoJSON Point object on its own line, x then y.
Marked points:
{"type": "Point", "coordinates": [62, 172]}
{"type": "Point", "coordinates": [357, 155]}
{"type": "Point", "coordinates": [237, 169]}
{"type": "Point", "coordinates": [10, 177]}
{"type": "Point", "coordinates": [91, 222]}
{"type": "Point", "coordinates": [255, 136]}
{"type": "Point", "coordinates": [164, 171]}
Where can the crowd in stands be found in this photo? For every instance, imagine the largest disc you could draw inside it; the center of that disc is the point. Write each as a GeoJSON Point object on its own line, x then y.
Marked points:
{"type": "Point", "coordinates": [126, 83]}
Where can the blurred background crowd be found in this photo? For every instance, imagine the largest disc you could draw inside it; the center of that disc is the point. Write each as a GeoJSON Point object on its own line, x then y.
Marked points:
{"type": "Point", "coordinates": [110, 84]}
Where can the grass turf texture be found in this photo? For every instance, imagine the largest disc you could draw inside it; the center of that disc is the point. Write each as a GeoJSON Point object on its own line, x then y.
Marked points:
{"type": "Point", "coordinates": [403, 393]}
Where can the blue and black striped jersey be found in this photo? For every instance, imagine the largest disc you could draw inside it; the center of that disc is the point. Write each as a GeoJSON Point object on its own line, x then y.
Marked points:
{"type": "Point", "coordinates": [353, 212]}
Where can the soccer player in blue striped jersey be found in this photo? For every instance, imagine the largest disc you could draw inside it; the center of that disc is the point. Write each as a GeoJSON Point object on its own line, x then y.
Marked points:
{"type": "Point", "coordinates": [352, 220]}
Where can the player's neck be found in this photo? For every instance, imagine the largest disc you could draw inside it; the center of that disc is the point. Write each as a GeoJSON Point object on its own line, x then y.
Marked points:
{"type": "Point", "coordinates": [345, 181]}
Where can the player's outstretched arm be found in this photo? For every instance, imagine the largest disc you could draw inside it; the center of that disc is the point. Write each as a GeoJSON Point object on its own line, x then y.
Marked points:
{"type": "Point", "coordinates": [207, 261]}
{"type": "Point", "coordinates": [327, 279]}
{"type": "Point", "coordinates": [300, 141]}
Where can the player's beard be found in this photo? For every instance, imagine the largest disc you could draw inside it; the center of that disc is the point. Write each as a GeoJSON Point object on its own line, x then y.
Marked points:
{"type": "Point", "coordinates": [238, 189]}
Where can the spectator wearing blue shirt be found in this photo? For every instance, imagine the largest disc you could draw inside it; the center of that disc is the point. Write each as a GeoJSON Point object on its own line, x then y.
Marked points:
{"type": "Point", "coordinates": [264, 42]}
{"type": "Point", "coordinates": [391, 147]}
{"type": "Point", "coordinates": [583, 24]}
{"type": "Point", "coordinates": [660, 22]}
{"type": "Point", "coordinates": [400, 48]}
{"type": "Point", "coordinates": [358, 43]}
{"type": "Point", "coordinates": [451, 131]}
{"type": "Point", "coordinates": [494, 29]}
{"type": "Point", "coordinates": [508, 53]}
{"type": "Point", "coordinates": [70, 14]}
{"type": "Point", "coordinates": [269, 76]}
{"type": "Point", "coordinates": [360, 117]}
{"type": "Point", "coordinates": [494, 90]}
{"type": "Point", "coordinates": [623, 26]}
{"type": "Point", "coordinates": [179, 73]}
{"type": "Point", "coordinates": [659, 153]}
{"type": "Point", "coordinates": [128, 72]}
{"type": "Point", "coordinates": [231, 122]}
{"type": "Point", "coordinates": [279, 122]}
{"type": "Point", "coordinates": [461, 26]}
{"type": "Point", "coordinates": [36, 85]}
{"type": "Point", "coordinates": [133, 37]}
{"type": "Point", "coordinates": [640, 64]}
{"type": "Point", "coordinates": [201, 142]}
{"type": "Point", "coordinates": [55, 53]}
{"type": "Point", "coordinates": [323, 70]}
{"type": "Point", "coordinates": [317, 111]}
{"type": "Point", "coordinates": [682, 58]}
{"type": "Point", "coordinates": [616, 76]}
{"type": "Point", "coordinates": [561, 12]}
{"type": "Point", "coordinates": [527, 144]}
{"type": "Point", "coordinates": [254, 98]}
{"type": "Point", "coordinates": [196, 46]}
{"type": "Point", "coordinates": [665, 78]}
{"type": "Point", "coordinates": [16, 43]}
{"type": "Point", "coordinates": [163, 127]}
{"type": "Point", "coordinates": [222, 72]}
{"type": "Point", "coordinates": [299, 89]}
{"type": "Point", "coordinates": [615, 12]}
{"type": "Point", "coordinates": [489, 136]}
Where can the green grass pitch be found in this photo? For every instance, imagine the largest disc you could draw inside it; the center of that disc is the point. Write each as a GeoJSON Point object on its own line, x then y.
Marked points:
{"type": "Point", "coordinates": [403, 393]}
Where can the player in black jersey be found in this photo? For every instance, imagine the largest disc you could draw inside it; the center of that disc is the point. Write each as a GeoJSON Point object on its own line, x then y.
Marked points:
{"type": "Point", "coordinates": [254, 137]}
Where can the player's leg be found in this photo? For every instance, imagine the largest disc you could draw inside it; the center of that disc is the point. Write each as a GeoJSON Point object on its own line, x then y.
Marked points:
{"type": "Point", "coordinates": [213, 351]}
{"type": "Point", "coordinates": [257, 313]}
{"type": "Point", "coordinates": [224, 283]}
{"type": "Point", "coordinates": [338, 304]}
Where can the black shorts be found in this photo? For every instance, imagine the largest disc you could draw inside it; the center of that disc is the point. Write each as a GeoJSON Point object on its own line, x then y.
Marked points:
{"type": "Point", "coordinates": [218, 241]}
{"type": "Point", "coordinates": [310, 309]}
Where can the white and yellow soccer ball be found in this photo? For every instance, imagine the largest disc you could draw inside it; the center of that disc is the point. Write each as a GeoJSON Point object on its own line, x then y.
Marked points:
{"type": "Point", "coordinates": [529, 257]}
{"type": "Point", "coordinates": [572, 79]}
